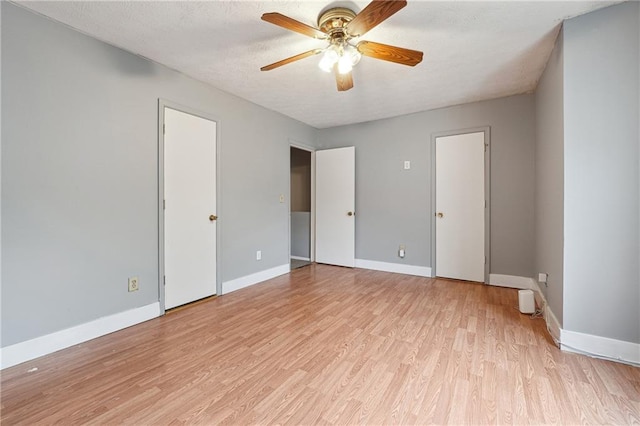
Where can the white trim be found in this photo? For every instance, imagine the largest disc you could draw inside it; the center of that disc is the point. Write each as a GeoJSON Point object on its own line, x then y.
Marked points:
{"type": "Point", "coordinates": [258, 277]}
{"type": "Point", "coordinates": [553, 325]}
{"type": "Point", "coordinates": [44, 345]}
{"type": "Point", "coordinates": [301, 145]}
{"type": "Point", "coordinates": [541, 301]}
{"type": "Point", "coordinates": [511, 281]}
{"type": "Point", "coordinates": [399, 268]}
{"type": "Point", "coordinates": [586, 344]}
{"type": "Point", "coordinates": [597, 346]}
{"type": "Point", "coordinates": [300, 258]}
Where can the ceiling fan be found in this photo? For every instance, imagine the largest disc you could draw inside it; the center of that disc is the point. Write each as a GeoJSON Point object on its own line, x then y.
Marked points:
{"type": "Point", "coordinates": [338, 26]}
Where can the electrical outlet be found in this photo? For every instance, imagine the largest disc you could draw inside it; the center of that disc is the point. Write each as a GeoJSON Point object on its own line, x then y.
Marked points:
{"type": "Point", "coordinates": [134, 284]}
{"type": "Point", "coordinates": [401, 251]}
{"type": "Point", "coordinates": [282, 198]}
{"type": "Point", "coordinates": [259, 255]}
{"type": "Point", "coordinates": [542, 278]}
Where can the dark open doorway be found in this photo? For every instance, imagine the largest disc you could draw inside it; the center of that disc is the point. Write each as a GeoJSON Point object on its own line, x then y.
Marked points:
{"type": "Point", "coordinates": [300, 207]}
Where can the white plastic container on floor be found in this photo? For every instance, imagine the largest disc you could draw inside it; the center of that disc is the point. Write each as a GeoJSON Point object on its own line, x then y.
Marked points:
{"type": "Point", "coordinates": [526, 301]}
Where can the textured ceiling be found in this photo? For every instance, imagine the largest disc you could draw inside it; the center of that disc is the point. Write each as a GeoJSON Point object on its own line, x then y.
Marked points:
{"type": "Point", "coordinates": [474, 50]}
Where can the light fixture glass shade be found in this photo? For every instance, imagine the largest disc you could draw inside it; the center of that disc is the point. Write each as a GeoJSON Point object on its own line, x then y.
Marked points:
{"type": "Point", "coordinates": [345, 64]}
{"type": "Point", "coordinates": [343, 54]}
{"type": "Point", "coordinates": [353, 53]}
{"type": "Point", "coordinates": [329, 58]}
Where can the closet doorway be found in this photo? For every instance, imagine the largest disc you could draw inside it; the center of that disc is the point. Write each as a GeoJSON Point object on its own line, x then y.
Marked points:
{"type": "Point", "coordinates": [300, 207]}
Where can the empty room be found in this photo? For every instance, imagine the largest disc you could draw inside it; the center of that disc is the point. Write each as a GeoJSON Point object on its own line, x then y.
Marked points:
{"type": "Point", "coordinates": [305, 212]}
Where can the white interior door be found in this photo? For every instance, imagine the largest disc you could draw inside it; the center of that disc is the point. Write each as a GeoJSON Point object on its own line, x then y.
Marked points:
{"type": "Point", "coordinates": [190, 207]}
{"type": "Point", "coordinates": [460, 206]}
{"type": "Point", "coordinates": [335, 206]}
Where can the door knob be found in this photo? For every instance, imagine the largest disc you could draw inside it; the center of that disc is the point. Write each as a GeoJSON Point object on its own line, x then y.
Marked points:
{"type": "Point", "coordinates": [440, 215]}
{"type": "Point", "coordinates": [213, 217]}
{"type": "Point", "coordinates": [350, 213]}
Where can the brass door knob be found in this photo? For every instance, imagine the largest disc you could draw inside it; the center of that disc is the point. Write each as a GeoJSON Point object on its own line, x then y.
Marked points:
{"type": "Point", "coordinates": [213, 217]}
{"type": "Point", "coordinates": [350, 213]}
{"type": "Point", "coordinates": [440, 215]}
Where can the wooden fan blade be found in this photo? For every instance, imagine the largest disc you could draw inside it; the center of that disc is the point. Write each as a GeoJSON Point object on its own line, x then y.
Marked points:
{"type": "Point", "coordinates": [291, 24]}
{"type": "Point", "coordinates": [344, 81]}
{"type": "Point", "coordinates": [385, 52]}
{"type": "Point", "coordinates": [375, 12]}
{"type": "Point", "coordinates": [291, 59]}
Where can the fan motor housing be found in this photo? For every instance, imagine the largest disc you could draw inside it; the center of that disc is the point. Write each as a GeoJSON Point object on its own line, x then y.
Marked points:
{"type": "Point", "coordinates": [334, 20]}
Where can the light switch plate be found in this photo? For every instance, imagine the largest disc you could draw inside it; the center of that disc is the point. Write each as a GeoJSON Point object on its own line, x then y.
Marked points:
{"type": "Point", "coordinates": [407, 165]}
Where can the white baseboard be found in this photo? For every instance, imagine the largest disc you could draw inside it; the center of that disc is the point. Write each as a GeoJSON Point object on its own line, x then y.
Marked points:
{"type": "Point", "coordinates": [399, 268]}
{"type": "Point", "coordinates": [300, 258]}
{"type": "Point", "coordinates": [553, 325]}
{"type": "Point", "coordinates": [44, 345]}
{"type": "Point", "coordinates": [258, 277]}
{"type": "Point", "coordinates": [528, 283]}
{"type": "Point", "coordinates": [602, 347]}
{"type": "Point", "coordinates": [511, 281]}
{"type": "Point", "coordinates": [587, 344]}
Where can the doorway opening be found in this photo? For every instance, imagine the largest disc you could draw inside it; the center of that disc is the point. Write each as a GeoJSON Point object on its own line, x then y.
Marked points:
{"type": "Point", "coordinates": [300, 208]}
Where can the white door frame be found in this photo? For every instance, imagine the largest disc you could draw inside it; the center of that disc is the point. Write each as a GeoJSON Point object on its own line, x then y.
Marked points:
{"type": "Point", "coordinates": [162, 103]}
{"type": "Point", "coordinates": [487, 195]}
{"type": "Point", "coordinates": [312, 219]}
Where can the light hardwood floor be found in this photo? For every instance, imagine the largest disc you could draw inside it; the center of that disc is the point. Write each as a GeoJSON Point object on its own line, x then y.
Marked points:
{"type": "Point", "coordinates": [328, 345]}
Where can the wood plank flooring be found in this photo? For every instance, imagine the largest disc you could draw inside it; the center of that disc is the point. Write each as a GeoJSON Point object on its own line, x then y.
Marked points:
{"type": "Point", "coordinates": [328, 345]}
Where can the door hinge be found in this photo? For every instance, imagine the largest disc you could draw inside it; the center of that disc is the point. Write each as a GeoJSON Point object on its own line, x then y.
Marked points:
{"type": "Point", "coordinates": [164, 130]}
{"type": "Point", "coordinates": [485, 204]}
{"type": "Point", "coordinates": [164, 204]}
{"type": "Point", "coordinates": [485, 260]}
{"type": "Point", "coordinates": [486, 145]}
{"type": "Point", "coordinates": [164, 280]}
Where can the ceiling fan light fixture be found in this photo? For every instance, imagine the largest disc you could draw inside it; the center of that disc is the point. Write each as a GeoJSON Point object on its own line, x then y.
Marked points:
{"type": "Point", "coordinates": [329, 59]}
{"type": "Point", "coordinates": [345, 64]}
{"type": "Point", "coordinates": [338, 26]}
{"type": "Point", "coordinates": [343, 54]}
{"type": "Point", "coordinates": [352, 52]}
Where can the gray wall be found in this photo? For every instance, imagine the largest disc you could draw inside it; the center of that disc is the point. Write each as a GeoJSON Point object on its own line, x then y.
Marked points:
{"type": "Point", "coordinates": [549, 208]}
{"type": "Point", "coordinates": [394, 205]}
{"type": "Point", "coordinates": [79, 176]}
{"type": "Point", "coordinates": [601, 277]}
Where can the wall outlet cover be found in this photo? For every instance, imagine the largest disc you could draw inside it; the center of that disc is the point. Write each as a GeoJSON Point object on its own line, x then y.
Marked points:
{"type": "Point", "coordinates": [134, 284]}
